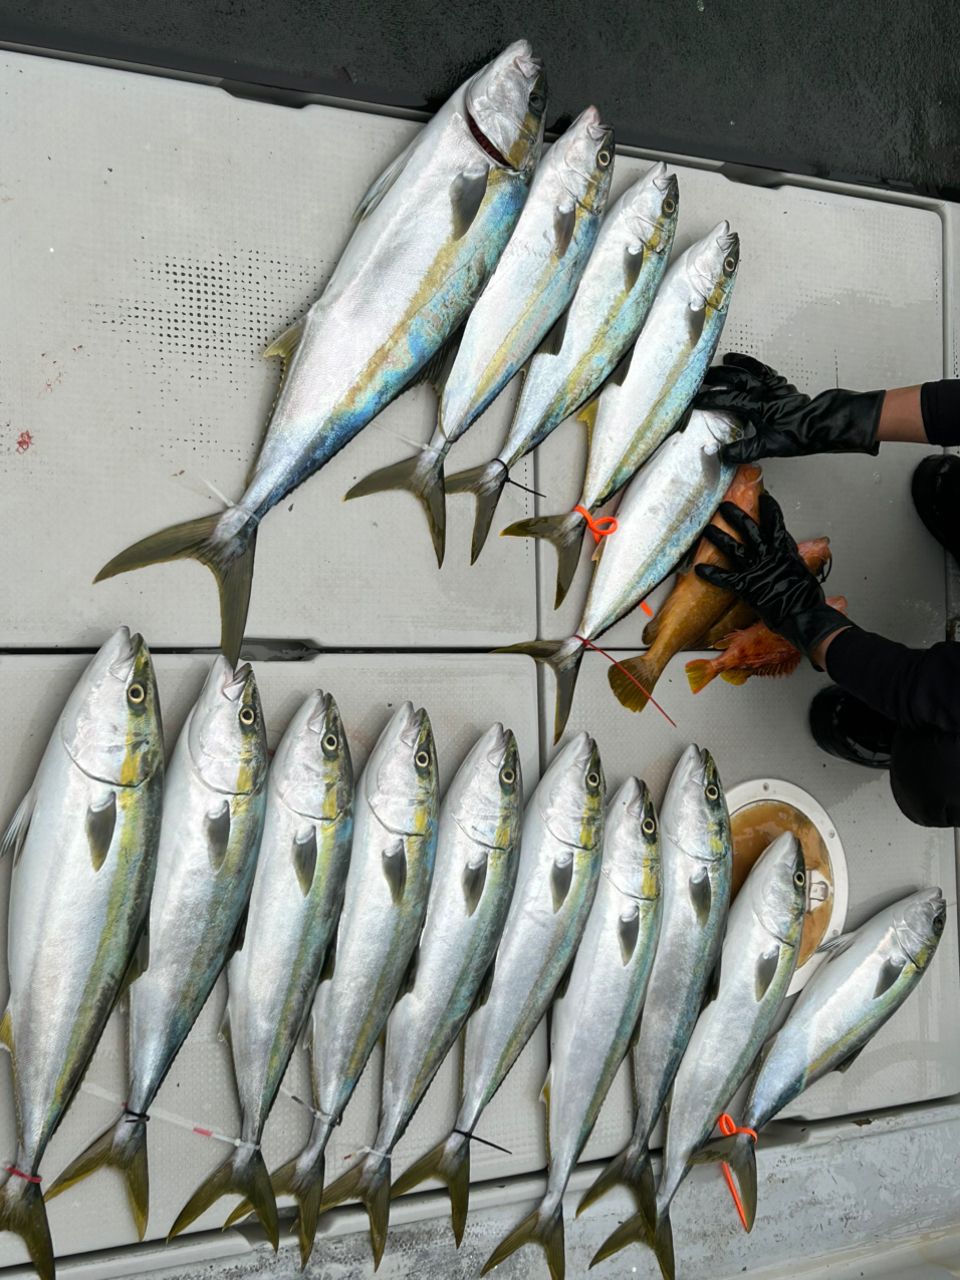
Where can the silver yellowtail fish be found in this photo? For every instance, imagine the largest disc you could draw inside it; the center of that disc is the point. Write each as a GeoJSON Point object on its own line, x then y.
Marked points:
{"type": "Point", "coordinates": [633, 417]}
{"type": "Point", "coordinates": [864, 981]}
{"type": "Point", "coordinates": [429, 232]}
{"type": "Point", "coordinates": [757, 964]}
{"type": "Point", "coordinates": [607, 312]}
{"type": "Point", "coordinates": [696, 857]}
{"type": "Point", "coordinates": [559, 867]}
{"type": "Point", "coordinates": [531, 286]}
{"type": "Point", "coordinates": [294, 906]}
{"type": "Point", "coordinates": [84, 844]}
{"type": "Point", "coordinates": [662, 514]}
{"type": "Point", "coordinates": [391, 867]}
{"type": "Point", "coordinates": [593, 1021]}
{"type": "Point", "coordinates": [478, 848]}
{"type": "Point", "coordinates": [212, 816]}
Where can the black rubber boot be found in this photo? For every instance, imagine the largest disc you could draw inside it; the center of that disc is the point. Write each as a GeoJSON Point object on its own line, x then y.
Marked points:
{"type": "Point", "coordinates": [936, 495]}
{"type": "Point", "coordinates": [847, 728]}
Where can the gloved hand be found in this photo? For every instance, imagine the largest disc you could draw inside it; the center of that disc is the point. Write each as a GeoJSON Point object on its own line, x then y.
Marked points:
{"type": "Point", "coordinates": [768, 573]}
{"type": "Point", "coordinates": [786, 423]}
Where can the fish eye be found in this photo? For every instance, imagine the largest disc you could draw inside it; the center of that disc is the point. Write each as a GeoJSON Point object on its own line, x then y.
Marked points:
{"type": "Point", "coordinates": [729, 265]}
{"type": "Point", "coordinates": [537, 101]}
{"type": "Point", "coordinates": [136, 694]}
{"type": "Point", "coordinates": [422, 759]}
{"type": "Point", "coordinates": [938, 923]}
{"type": "Point", "coordinates": [247, 716]}
{"type": "Point", "coordinates": [593, 778]}
{"type": "Point", "coordinates": [669, 205]}
{"type": "Point", "coordinates": [648, 826]}
{"type": "Point", "coordinates": [603, 158]}
{"type": "Point", "coordinates": [712, 791]}
{"type": "Point", "coordinates": [799, 879]}
{"type": "Point", "coordinates": [507, 776]}
{"type": "Point", "coordinates": [330, 742]}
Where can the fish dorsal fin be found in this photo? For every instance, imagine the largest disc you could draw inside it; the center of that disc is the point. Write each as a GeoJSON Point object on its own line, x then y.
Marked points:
{"type": "Point", "coordinates": [561, 877]}
{"type": "Point", "coordinates": [283, 347]}
{"type": "Point", "coordinates": [628, 930]}
{"type": "Point", "coordinates": [223, 1031]}
{"type": "Point", "coordinates": [767, 965]}
{"type": "Point", "coordinates": [889, 973]}
{"type": "Point", "coordinates": [545, 1093]}
{"type": "Point", "coordinates": [632, 264]}
{"type": "Point", "coordinates": [305, 857]}
{"type": "Point", "coordinates": [466, 197]}
{"type": "Point", "coordinates": [239, 933]}
{"type": "Point", "coordinates": [16, 832]}
{"type": "Point", "coordinates": [393, 859]}
{"type": "Point", "coordinates": [848, 1062]}
{"type": "Point", "coordinates": [564, 222]}
{"type": "Point", "coordinates": [382, 184]}
{"type": "Point", "coordinates": [6, 1031]}
{"type": "Point", "coordinates": [216, 825]}
{"type": "Point", "coordinates": [101, 822]}
{"type": "Point", "coordinates": [474, 878]}
{"type": "Point", "coordinates": [483, 991]}
{"type": "Point", "coordinates": [695, 317]}
{"type": "Point", "coordinates": [329, 962]}
{"type": "Point", "coordinates": [701, 895]}
{"type": "Point", "coordinates": [410, 977]}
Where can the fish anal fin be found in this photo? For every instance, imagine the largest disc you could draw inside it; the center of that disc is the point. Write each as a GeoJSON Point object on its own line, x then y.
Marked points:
{"type": "Point", "coordinates": [474, 878]}
{"type": "Point", "coordinates": [100, 824]}
{"type": "Point", "coordinates": [216, 825]}
{"type": "Point", "coordinates": [6, 1031]}
{"type": "Point", "coordinates": [766, 971]}
{"type": "Point", "coordinates": [16, 832]}
{"type": "Point", "coordinates": [466, 197]}
{"type": "Point", "coordinates": [701, 895]}
{"type": "Point", "coordinates": [236, 942]}
{"type": "Point", "coordinates": [737, 675]}
{"type": "Point", "coordinates": [785, 667]}
{"type": "Point", "coordinates": [393, 859]}
{"type": "Point", "coordinates": [848, 1062]}
{"type": "Point", "coordinates": [305, 857]}
{"type": "Point", "coordinates": [223, 1031]}
{"type": "Point", "coordinates": [282, 348]}
{"type": "Point", "coordinates": [551, 344]}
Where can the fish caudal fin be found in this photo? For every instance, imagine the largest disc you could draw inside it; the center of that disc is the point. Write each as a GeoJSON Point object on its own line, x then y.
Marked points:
{"type": "Point", "coordinates": [22, 1211]}
{"type": "Point", "coordinates": [633, 680]}
{"type": "Point", "coordinates": [699, 673]}
{"type": "Point", "coordinates": [739, 1154]}
{"type": "Point", "coordinates": [630, 1169]}
{"type": "Point", "coordinates": [369, 1182]}
{"type": "Point", "coordinates": [242, 1173]}
{"type": "Point", "coordinates": [637, 1230]}
{"type": "Point", "coordinates": [302, 1178]}
{"type": "Point", "coordinates": [486, 483]}
{"type": "Point", "coordinates": [421, 475]}
{"type": "Point", "coordinates": [228, 557]}
{"type": "Point", "coordinates": [124, 1147]}
{"type": "Point", "coordinates": [566, 534]}
{"type": "Point", "coordinates": [543, 1227]}
{"type": "Point", "coordinates": [564, 658]}
{"type": "Point", "coordinates": [449, 1161]}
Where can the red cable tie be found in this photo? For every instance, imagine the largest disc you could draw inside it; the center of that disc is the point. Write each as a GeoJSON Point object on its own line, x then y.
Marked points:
{"type": "Point", "coordinates": [27, 1177]}
{"type": "Point", "coordinates": [599, 526]}
{"type": "Point", "coordinates": [728, 1128]}
{"type": "Point", "coordinates": [204, 1133]}
{"type": "Point", "coordinates": [588, 644]}
{"type": "Point", "coordinates": [646, 608]}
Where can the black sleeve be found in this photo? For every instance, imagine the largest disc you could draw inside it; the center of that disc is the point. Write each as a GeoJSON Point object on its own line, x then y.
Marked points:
{"type": "Point", "coordinates": [940, 407]}
{"type": "Point", "coordinates": [916, 688]}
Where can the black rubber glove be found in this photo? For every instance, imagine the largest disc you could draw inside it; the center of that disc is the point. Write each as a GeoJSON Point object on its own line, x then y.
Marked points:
{"type": "Point", "coordinates": [769, 574]}
{"type": "Point", "coordinates": [786, 423]}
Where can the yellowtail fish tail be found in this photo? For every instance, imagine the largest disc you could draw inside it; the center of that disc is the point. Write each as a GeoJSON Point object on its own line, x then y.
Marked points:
{"type": "Point", "coordinates": [242, 1173]}
{"type": "Point", "coordinates": [225, 542]}
{"type": "Point", "coordinates": [122, 1146]}
{"type": "Point", "coordinates": [566, 534]}
{"type": "Point", "coordinates": [699, 673]}
{"type": "Point", "coordinates": [301, 1178]}
{"type": "Point", "coordinates": [449, 1162]}
{"type": "Point", "coordinates": [421, 475]}
{"type": "Point", "coordinates": [368, 1182]}
{"type": "Point", "coordinates": [636, 1230]}
{"type": "Point", "coordinates": [739, 1153]}
{"type": "Point", "coordinates": [486, 483]}
{"type": "Point", "coordinates": [633, 680]}
{"type": "Point", "coordinates": [564, 658]}
{"type": "Point", "coordinates": [22, 1211]}
{"type": "Point", "coordinates": [630, 1169]}
{"type": "Point", "coordinates": [543, 1227]}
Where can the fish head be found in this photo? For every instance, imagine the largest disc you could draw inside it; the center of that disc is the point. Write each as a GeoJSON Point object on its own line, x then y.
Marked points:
{"type": "Point", "coordinates": [111, 725]}
{"type": "Point", "coordinates": [584, 159]}
{"type": "Point", "coordinates": [651, 207]}
{"type": "Point", "coordinates": [631, 842]}
{"type": "Point", "coordinates": [486, 797]}
{"type": "Point", "coordinates": [695, 800]}
{"type": "Point", "coordinates": [226, 735]}
{"type": "Point", "coordinates": [401, 777]}
{"type": "Point", "coordinates": [505, 104]}
{"type": "Point", "coordinates": [711, 266]}
{"type": "Point", "coordinates": [572, 795]}
{"type": "Point", "coordinates": [719, 428]}
{"type": "Point", "coordinates": [312, 769]}
{"type": "Point", "coordinates": [777, 884]}
{"type": "Point", "coordinates": [919, 922]}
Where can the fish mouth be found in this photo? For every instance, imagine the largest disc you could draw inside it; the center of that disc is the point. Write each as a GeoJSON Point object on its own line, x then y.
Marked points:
{"type": "Point", "coordinates": [495, 744]}
{"type": "Point", "coordinates": [661, 178]}
{"type": "Point", "coordinates": [128, 650]}
{"type": "Point", "coordinates": [412, 726]}
{"type": "Point", "coordinates": [317, 720]}
{"type": "Point", "coordinates": [525, 60]}
{"type": "Point", "coordinates": [232, 688]}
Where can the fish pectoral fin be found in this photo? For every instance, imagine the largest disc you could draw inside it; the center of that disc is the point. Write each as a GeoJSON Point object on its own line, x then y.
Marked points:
{"type": "Point", "coordinates": [767, 965]}
{"type": "Point", "coordinates": [848, 1062]}
{"type": "Point", "coordinates": [628, 930]}
{"type": "Point", "coordinates": [16, 832]}
{"type": "Point", "coordinates": [305, 857]}
{"type": "Point", "coordinates": [632, 264]}
{"type": "Point", "coordinates": [216, 824]}
{"type": "Point", "coordinates": [382, 184]}
{"type": "Point", "coordinates": [101, 822]}
{"type": "Point", "coordinates": [888, 975]}
{"type": "Point", "coordinates": [6, 1031]}
{"type": "Point", "coordinates": [564, 222]}
{"type": "Point", "coordinates": [701, 895]}
{"type": "Point", "coordinates": [561, 878]}
{"type": "Point", "coordinates": [394, 862]}
{"type": "Point", "coordinates": [474, 878]}
{"type": "Point", "coordinates": [283, 347]}
{"type": "Point", "coordinates": [466, 197]}
{"type": "Point", "coordinates": [695, 317]}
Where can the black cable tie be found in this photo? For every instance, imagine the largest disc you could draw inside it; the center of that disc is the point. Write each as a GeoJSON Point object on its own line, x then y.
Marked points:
{"type": "Point", "coordinates": [537, 494]}
{"type": "Point", "coordinates": [486, 1141]}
